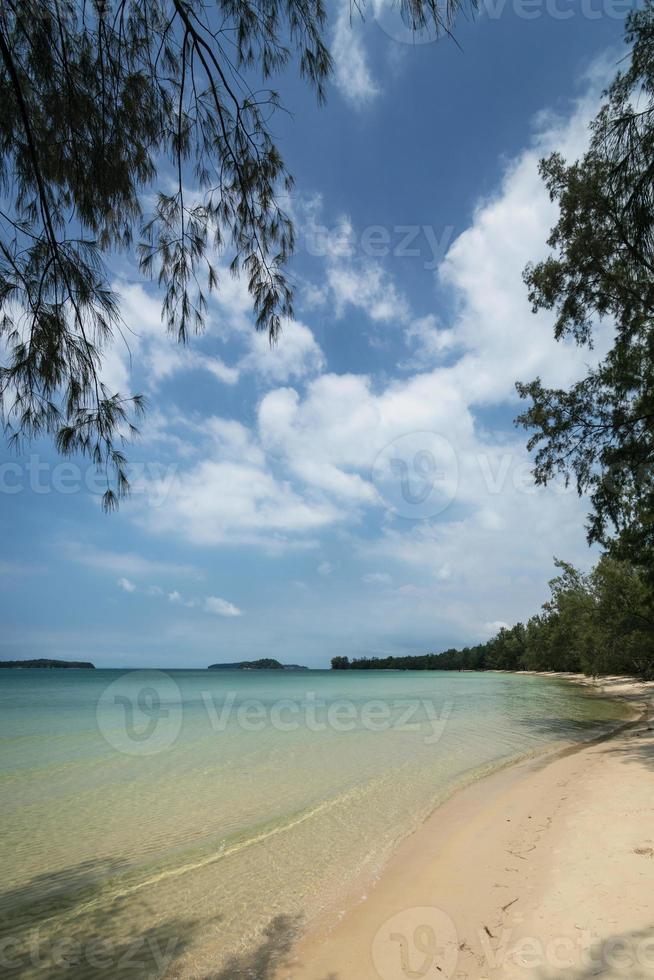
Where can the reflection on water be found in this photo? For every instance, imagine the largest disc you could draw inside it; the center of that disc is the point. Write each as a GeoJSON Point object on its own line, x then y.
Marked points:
{"type": "Point", "coordinates": [181, 824]}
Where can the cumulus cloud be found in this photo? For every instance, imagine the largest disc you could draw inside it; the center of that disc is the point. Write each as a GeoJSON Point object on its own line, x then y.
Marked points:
{"type": "Point", "coordinates": [230, 496]}
{"type": "Point", "coordinates": [222, 502]}
{"type": "Point", "coordinates": [503, 340]}
{"type": "Point", "coordinates": [331, 437]}
{"type": "Point", "coordinates": [295, 354]}
{"type": "Point", "coordinates": [366, 286]}
{"type": "Point", "coordinates": [427, 341]}
{"type": "Point", "coordinates": [221, 607]}
{"type": "Point", "coordinates": [229, 319]}
{"type": "Point", "coordinates": [145, 339]}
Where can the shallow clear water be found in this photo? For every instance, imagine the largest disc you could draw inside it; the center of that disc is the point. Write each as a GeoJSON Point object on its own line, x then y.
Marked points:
{"type": "Point", "coordinates": [155, 824]}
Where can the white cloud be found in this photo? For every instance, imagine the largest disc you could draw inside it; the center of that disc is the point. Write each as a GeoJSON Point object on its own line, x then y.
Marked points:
{"type": "Point", "coordinates": [165, 361]}
{"type": "Point", "coordinates": [294, 355]}
{"type": "Point", "coordinates": [325, 568]}
{"type": "Point", "coordinates": [504, 340]}
{"type": "Point", "coordinates": [229, 319]}
{"type": "Point", "coordinates": [210, 604]}
{"type": "Point", "coordinates": [352, 74]}
{"type": "Point", "coordinates": [331, 437]}
{"type": "Point", "coordinates": [230, 496]}
{"type": "Point", "coordinates": [312, 297]}
{"type": "Point", "coordinates": [427, 341]}
{"type": "Point", "coordinates": [354, 280]}
{"type": "Point", "coordinates": [221, 502]}
{"type": "Point", "coordinates": [366, 286]}
{"type": "Point", "coordinates": [114, 372]}
{"type": "Point", "coordinates": [161, 355]}
{"type": "Point", "coordinates": [221, 607]}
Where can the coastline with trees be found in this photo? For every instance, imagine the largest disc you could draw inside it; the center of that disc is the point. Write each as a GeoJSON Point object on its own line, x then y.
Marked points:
{"type": "Point", "coordinates": [597, 623]}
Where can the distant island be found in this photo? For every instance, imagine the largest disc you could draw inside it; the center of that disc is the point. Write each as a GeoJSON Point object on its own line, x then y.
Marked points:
{"type": "Point", "coordinates": [266, 663]}
{"type": "Point", "coordinates": [49, 664]}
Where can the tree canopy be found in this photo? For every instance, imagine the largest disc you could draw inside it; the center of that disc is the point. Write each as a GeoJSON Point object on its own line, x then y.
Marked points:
{"type": "Point", "coordinates": [96, 96]}
{"type": "Point", "coordinates": [600, 431]}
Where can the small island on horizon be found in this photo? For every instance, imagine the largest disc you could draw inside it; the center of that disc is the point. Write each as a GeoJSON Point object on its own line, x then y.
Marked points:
{"type": "Point", "coordinates": [265, 663]}
{"type": "Point", "coordinates": [49, 664]}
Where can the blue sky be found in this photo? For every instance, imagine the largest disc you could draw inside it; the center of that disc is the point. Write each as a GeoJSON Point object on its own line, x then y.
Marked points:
{"type": "Point", "coordinates": [359, 489]}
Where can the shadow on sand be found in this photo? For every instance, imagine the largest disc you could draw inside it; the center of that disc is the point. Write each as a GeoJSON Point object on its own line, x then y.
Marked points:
{"type": "Point", "coordinates": [63, 925]}
{"type": "Point", "coordinates": [629, 955]}
{"type": "Point", "coordinates": [267, 961]}
{"type": "Point", "coordinates": [263, 962]}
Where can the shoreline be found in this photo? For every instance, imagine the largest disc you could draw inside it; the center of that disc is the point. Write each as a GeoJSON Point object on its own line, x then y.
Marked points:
{"type": "Point", "coordinates": [489, 885]}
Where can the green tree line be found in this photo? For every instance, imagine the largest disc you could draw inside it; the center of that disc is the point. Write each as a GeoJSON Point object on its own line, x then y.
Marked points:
{"type": "Point", "coordinates": [597, 623]}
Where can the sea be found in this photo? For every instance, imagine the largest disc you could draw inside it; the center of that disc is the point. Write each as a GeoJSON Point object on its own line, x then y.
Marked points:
{"type": "Point", "coordinates": [188, 823]}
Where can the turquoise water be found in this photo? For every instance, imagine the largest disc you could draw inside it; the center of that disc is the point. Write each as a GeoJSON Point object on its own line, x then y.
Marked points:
{"type": "Point", "coordinates": [155, 824]}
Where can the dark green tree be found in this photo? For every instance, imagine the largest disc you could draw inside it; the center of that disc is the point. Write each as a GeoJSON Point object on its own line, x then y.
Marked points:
{"type": "Point", "coordinates": [505, 651]}
{"type": "Point", "coordinates": [94, 96]}
{"type": "Point", "coordinates": [624, 619]}
{"type": "Point", "coordinates": [600, 431]}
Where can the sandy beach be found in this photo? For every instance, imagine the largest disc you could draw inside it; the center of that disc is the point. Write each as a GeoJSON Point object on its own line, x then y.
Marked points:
{"type": "Point", "coordinates": [542, 870]}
